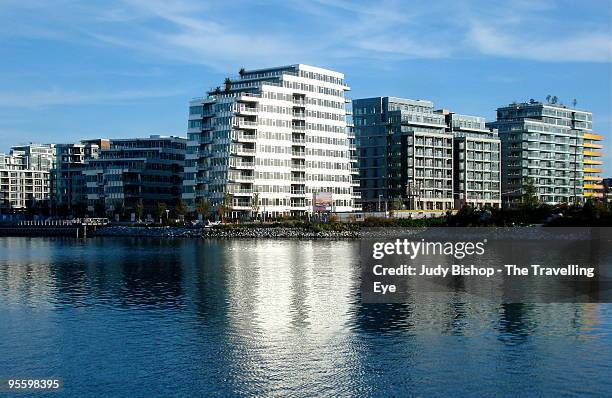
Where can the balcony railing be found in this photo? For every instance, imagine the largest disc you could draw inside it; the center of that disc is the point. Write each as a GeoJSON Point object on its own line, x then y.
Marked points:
{"type": "Point", "coordinates": [242, 165]}
{"type": "Point", "coordinates": [240, 191]}
{"type": "Point", "coordinates": [248, 151]}
{"type": "Point", "coordinates": [244, 137]}
{"type": "Point", "coordinates": [246, 109]}
{"type": "Point", "coordinates": [240, 177]}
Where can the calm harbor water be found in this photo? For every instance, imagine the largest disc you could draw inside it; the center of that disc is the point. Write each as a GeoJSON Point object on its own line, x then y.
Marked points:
{"type": "Point", "coordinates": [153, 317]}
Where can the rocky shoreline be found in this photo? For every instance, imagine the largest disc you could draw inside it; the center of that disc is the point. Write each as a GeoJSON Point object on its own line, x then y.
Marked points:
{"type": "Point", "coordinates": [246, 233]}
{"type": "Point", "coordinates": [226, 233]}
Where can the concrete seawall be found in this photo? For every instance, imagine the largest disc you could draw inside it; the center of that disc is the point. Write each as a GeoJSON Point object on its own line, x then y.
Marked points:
{"type": "Point", "coordinates": [74, 232]}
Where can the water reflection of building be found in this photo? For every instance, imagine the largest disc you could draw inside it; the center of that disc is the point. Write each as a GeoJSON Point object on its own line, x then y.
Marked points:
{"type": "Point", "coordinates": [292, 299]}
{"type": "Point", "coordinates": [25, 272]}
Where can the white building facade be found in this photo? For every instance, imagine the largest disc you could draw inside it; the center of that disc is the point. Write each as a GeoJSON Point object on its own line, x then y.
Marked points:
{"type": "Point", "coordinates": [271, 140]}
{"type": "Point", "coordinates": [25, 177]}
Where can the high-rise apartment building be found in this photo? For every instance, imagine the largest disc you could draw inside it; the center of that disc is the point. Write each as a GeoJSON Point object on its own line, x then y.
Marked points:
{"type": "Point", "coordinates": [136, 170]}
{"type": "Point", "coordinates": [69, 192]}
{"type": "Point", "coordinates": [552, 147]}
{"type": "Point", "coordinates": [476, 161]}
{"type": "Point", "coordinates": [271, 141]}
{"type": "Point", "coordinates": [405, 153]}
{"type": "Point", "coordinates": [24, 177]}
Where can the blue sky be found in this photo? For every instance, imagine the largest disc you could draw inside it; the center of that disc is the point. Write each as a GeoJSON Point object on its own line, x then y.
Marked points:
{"type": "Point", "coordinates": [123, 68]}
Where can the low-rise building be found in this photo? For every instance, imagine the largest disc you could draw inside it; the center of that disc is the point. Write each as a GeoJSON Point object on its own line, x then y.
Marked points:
{"type": "Point", "coordinates": [135, 171]}
{"type": "Point", "coordinates": [69, 192]}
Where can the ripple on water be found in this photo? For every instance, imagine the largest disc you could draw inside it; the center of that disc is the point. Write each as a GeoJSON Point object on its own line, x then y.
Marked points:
{"type": "Point", "coordinates": [150, 317]}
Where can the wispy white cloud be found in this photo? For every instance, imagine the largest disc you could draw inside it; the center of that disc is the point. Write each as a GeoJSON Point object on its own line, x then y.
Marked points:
{"type": "Point", "coordinates": [58, 96]}
{"type": "Point", "coordinates": [592, 46]}
{"type": "Point", "coordinates": [226, 34]}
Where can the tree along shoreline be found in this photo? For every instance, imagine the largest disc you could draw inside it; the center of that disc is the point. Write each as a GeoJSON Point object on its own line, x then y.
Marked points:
{"type": "Point", "coordinates": [589, 215]}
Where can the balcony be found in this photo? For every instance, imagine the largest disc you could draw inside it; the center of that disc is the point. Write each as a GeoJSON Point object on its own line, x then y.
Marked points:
{"type": "Point", "coordinates": [297, 127]}
{"type": "Point", "coordinates": [299, 101]}
{"type": "Point", "coordinates": [591, 145]}
{"type": "Point", "coordinates": [299, 115]}
{"type": "Point", "coordinates": [298, 154]}
{"type": "Point", "coordinates": [239, 137]}
{"type": "Point", "coordinates": [241, 178]}
{"type": "Point", "coordinates": [249, 97]}
{"type": "Point", "coordinates": [241, 191]}
{"type": "Point", "coordinates": [241, 151]}
{"type": "Point", "coordinates": [593, 186]}
{"type": "Point", "coordinates": [203, 167]}
{"type": "Point", "coordinates": [246, 124]}
{"type": "Point", "coordinates": [596, 137]}
{"type": "Point", "coordinates": [246, 110]}
{"type": "Point", "coordinates": [241, 165]}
